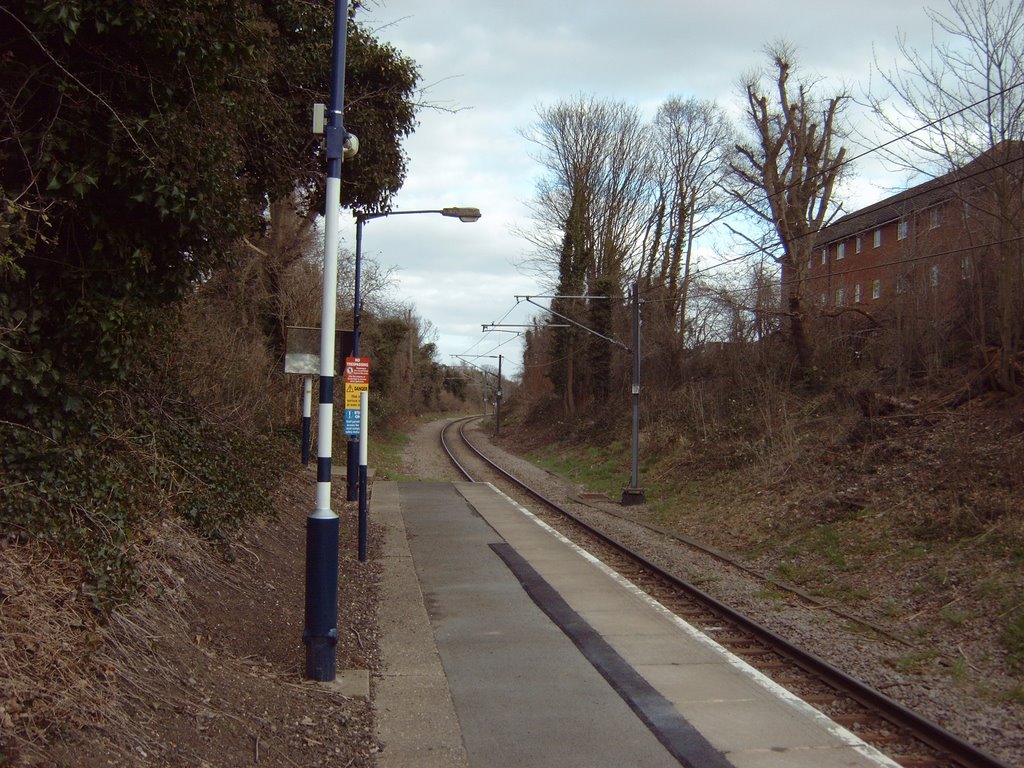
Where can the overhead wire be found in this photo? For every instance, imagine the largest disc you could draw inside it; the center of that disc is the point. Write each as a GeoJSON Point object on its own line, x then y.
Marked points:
{"type": "Point", "coordinates": [871, 150]}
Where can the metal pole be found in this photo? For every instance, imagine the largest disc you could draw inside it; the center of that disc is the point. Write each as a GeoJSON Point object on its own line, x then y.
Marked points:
{"type": "Point", "coordinates": [634, 494]}
{"type": "Point", "coordinates": [634, 478]}
{"type": "Point", "coordinates": [364, 415]}
{"type": "Point", "coordinates": [497, 407]}
{"type": "Point", "coordinates": [352, 446]}
{"type": "Point", "coordinates": [321, 618]}
{"type": "Point", "coordinates": [307, 412]}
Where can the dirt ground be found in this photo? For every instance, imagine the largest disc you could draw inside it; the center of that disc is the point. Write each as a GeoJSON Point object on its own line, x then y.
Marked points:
{"type": "Point", "coordinates": [207, 672]}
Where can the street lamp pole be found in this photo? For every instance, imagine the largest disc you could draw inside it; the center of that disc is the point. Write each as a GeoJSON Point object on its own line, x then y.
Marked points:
{"type": "Point", "coordinates": [464, 214]}
{"type": "Point", "coordinates": [320, 632]}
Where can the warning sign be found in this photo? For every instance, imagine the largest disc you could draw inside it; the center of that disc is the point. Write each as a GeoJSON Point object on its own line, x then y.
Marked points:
{"type": "Point", "coordinates": [357, 380]}
{"type": "Point", "coordinates": [351, 421]}
{"type": "Point", "coordinates": [352, 394]}
{"type": "Point", "coordinates": [357, 370]}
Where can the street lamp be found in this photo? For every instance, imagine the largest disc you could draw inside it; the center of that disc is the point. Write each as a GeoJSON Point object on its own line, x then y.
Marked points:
{"type": "Point", "coordinates": [320, 632]}
{"type": "Point", "coordinates": [463, 214]}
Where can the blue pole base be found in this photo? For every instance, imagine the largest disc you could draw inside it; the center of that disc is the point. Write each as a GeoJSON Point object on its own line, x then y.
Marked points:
{"type": "Point", "coordinates": [352, 470]}
{"type": "Point", "coordinates": [363, 513]}
{"type": "Point", "coordinates": [321, 660]}
{"type": "Point", "coordinates": [321, 628]}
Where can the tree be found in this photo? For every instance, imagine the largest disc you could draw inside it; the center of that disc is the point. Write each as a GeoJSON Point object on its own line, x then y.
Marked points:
{"type": "Point", "coordinates": [961, 107]}
{"type": "Point", "coordinates": [590, 211]}
{"type": "Point", "coordinates": [138, 142]}
{"type": "Point", "coordinates": [784, 176]}
{"type": "Point", "coordinates": [691, 146]}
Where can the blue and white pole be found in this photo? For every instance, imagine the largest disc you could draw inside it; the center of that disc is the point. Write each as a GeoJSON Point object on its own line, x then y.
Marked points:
{"type": "Point", "coordinates": [307, 414]}
{"type": "Point", "coordinates": [322, 527]}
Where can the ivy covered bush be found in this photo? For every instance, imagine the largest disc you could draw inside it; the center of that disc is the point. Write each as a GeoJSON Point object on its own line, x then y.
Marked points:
{"type": "Point", "coordinates": [139, 143]}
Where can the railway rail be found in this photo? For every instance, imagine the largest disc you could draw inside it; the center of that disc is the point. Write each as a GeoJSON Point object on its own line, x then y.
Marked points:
{"type": "Point", "coordinates": [908, 738]}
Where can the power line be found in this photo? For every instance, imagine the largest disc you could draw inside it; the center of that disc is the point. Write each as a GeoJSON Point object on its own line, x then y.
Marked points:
{"type": "Point", "coordinates": [957, 180]}
{"type": "Point", "coordinates": [893, 263]}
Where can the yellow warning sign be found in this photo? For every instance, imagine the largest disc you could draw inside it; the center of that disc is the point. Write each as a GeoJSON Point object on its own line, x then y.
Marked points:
{"type": "Point", "coordinates": [352, 394]}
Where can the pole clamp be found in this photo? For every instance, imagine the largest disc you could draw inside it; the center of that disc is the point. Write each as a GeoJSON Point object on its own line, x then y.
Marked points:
{"type": "Point", "coordinates": [335, 137]}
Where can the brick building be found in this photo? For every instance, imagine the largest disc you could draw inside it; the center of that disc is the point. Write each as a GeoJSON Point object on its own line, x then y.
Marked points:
{"type": "Point", "coordinates": [930, 242]}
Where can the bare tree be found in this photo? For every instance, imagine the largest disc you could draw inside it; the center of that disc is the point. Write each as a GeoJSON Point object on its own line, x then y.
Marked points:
{"type": "Point", "coordinates": [692, 145]}
{"type": "Point", "coordinates": [964, 101]}
{"type": "Point", "coordinates": [596, 156]}
{"type": "Point", "coordinates": [785, 176]}
{"type": "Point", "coordinates": [589, 213]}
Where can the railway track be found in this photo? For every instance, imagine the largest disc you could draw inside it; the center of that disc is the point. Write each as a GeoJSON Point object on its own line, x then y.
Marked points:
{"type": "Point", "coordinates": [908, 738]}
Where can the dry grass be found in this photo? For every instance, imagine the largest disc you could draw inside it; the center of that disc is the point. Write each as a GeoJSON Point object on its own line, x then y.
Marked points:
{"type": "Point", "coordinates": [64, 668]}
{"type": "Point", "coordinates": [225, 367]}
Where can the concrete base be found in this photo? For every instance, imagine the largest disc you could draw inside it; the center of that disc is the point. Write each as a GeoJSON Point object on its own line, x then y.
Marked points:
{"type": "Point", "coordinates": [633, 496]}
{"type": "Point", "coordinates": [354, 683]}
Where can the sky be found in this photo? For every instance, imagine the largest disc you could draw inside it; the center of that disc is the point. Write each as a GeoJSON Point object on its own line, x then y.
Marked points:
{"type": "Point", "coordinates": [490, 65]}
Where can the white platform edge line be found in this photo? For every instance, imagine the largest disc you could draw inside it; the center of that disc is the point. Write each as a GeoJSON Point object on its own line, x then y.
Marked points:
{"type": "Point", "coordinates": [847, 737]}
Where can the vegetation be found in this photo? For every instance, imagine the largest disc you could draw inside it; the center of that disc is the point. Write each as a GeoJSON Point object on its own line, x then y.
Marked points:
{"type": "Point", "coordinates": [158, 183]}
{"type": "Point", "coordinates": [158, 197]}
{"type": "Point", "coordinates": [846, 452]}
{"type": "Point", "coordinates": [159, 189]}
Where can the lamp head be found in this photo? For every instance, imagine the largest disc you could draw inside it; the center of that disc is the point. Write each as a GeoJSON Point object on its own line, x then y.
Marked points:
{"type": "Point", "coordinates": [350, 147]}
{"type": "Point", "coordinates": [462, 214]}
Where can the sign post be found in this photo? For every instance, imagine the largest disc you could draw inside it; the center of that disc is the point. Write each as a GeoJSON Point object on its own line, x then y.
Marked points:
{"type": "Point", "coordinates": [364, 444]}
{"type": "Point", "coordinates": [357, 390]}
{"type": "Point", "coordinates": [357, 379]}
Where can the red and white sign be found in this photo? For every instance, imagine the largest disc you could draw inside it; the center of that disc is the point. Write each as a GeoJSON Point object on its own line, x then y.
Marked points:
{"type": "Point", "coordinates": [357, 370]}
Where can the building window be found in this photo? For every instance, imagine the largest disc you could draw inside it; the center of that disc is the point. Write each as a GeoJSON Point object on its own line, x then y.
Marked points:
{"type": "Point", "coordinates": [823, 299]}
{"type": "Point", "coordinates": [856, 294]}
{"type": "Point", "coordinates": [840, 296]}
{"type": "Point", "coordinates": [824, 254]}
{"type": "Point", "coordinates": [876, 289]}
{"type": "Point", "coordinates": [841, 251]}
{"type": "Point", "coordinates": [860, 242]}
{"type": "Point", "coordinates": [934, 217]}
{"type": "Point", "coordinates": [878, 237]}
{"type": "Point", "coordinates": [901, 230]}
{"type": "Point", "coordinates": [933, 275]}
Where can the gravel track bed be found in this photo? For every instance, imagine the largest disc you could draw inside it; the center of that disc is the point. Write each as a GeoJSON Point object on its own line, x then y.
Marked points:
{"type": "Point", "coordinates": [851, 646]}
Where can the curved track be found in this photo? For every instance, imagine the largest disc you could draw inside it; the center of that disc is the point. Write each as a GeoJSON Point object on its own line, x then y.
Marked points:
{"type": "Point", "coordinates": [908, 738]}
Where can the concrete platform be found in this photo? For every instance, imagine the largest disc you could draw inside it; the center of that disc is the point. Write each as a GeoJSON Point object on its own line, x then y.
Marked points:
{"type": "Point", "coordinates": [506, 645]}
